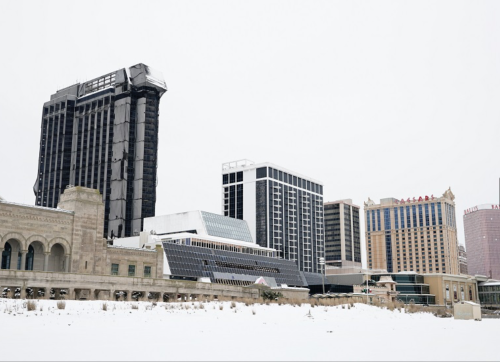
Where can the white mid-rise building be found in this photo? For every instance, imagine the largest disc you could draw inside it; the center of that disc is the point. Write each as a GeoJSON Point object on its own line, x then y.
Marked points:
{"type": "Point", "coordinates": [283, 209]}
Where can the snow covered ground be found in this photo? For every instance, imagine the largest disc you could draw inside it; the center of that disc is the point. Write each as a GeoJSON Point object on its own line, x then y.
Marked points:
{"type": "Point", "coordinates": [168, 331]}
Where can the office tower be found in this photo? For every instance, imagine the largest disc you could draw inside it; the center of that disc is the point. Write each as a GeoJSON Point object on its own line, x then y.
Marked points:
{"type": "Point", "coordinates": [283, 209]}
{"type": "Point", "coordinates": [342, 236]}
{"type": "Point", "coordinates": [103, 134]}
{"type": "Point", "coordinates": [462, 260]}
{"type": "Point", "coordinates": [416, 234]}
{"type": "Point", "coordinates": [482, 239]}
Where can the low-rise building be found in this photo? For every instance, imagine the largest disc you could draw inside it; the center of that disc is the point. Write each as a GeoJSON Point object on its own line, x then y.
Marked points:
{"type": "Point", "coordinates": [63, 251]}
{"type": "Point", "coordinates": [489, 293]}
{"type": "Point", "coordinates": [429, 289]}
{"type": "Point", "coordinates": [450, 289]}
{"type": "Point", "coordinates": [199, 245]}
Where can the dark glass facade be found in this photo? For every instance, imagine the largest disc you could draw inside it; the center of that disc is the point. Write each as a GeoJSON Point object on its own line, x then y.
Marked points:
{"type": "Point", "coordinates": [489, 294]}
{"type": "Point", "coordinates": [187, 261]}
{"type": "Point", "coordinates": [411, 288]}
{"type": "Point", "coordinates": [342, 234]}
{"type": "Point", "coordinates": [333, 239]}
{"type": "Point", "coordinates": [103, 135]}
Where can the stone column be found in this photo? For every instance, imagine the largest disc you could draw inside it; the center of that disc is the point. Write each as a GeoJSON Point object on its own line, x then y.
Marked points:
{"type": "Point", "coordinates": [46, 262]}
{"type": "Point", "coordinates": [23, 259]}
{"type": "Point", "coordinates": [66, 263]}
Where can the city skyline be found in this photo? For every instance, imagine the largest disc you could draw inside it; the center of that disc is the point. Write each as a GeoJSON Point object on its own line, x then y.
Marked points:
{"type": "Point", "coordinates": [354, 89]}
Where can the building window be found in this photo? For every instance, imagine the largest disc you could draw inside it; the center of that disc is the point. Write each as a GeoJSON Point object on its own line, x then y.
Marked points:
{"type": "Point", "coordinates": [114, 269]}
{"type": "Point", "coordinates": [147, 272]}
{"type": "Point", "coordinates": [131, 270]}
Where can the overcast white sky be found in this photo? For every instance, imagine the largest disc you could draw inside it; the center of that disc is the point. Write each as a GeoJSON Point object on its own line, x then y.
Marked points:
{"type": "Point", "coordinates": [375, 99]}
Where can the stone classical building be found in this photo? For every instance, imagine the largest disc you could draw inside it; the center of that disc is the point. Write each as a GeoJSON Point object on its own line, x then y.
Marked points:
{"type": "Point", "coordinates": [62, 252]}
{"type": "Point", "coordinates": [67, 239]}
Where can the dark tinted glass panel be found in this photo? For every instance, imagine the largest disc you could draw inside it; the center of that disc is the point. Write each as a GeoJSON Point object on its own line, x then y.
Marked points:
{"type": "Point", "coordinates": [232, 177]}
{"type": "Point", "coordinates": [225, 179]}
{"type": "Point", "coordinates": [262, 172]}
{"type": "Point", "coordinates": [239, 176]}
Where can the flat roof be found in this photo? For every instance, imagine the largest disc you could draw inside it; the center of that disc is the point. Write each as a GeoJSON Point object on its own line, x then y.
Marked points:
{"type": "Point", "coordinates": [216, 239]}
{"type": "Point", "coordinates": [266, 164]}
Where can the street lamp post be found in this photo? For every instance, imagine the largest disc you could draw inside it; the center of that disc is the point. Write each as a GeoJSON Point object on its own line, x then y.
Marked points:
{"type": "Point", "coordinates": [322, 262]}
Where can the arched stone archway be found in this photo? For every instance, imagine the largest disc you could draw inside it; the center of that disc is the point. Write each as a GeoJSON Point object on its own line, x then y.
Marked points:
{"type": "Point", "coordinates": [63, 242]}
{"type": "Point", "coordinates": [39, 238]}
{"type": "Point", "coordinates": [35, 257]}
{"type": "Point", "coordinates": [56, 258]}
{"type": "Point", "coordinates": [16, 236]}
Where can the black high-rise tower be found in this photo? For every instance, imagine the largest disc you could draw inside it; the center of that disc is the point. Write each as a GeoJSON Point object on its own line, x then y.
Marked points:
{"type": "Point", "coordinates": [103, 134]}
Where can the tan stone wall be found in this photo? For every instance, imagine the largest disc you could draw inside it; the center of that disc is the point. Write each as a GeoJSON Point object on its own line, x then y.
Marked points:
{"type": "Point", "coordinates": [137, 257]}
{"type": "Point", "coordinates": [71, 238]}
{"type": "Point", "coordinates": [105, 287]}
{"type": "Point", "coordinates": [88, 225]}
{"type": "Point", "coordinates": [438, 283]}
{"type": "Point", "coordinates": [27, 224]}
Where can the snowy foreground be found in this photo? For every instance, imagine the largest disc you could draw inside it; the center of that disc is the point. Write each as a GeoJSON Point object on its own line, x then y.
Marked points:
{"type": "Point", "coordinates": [169, 331]}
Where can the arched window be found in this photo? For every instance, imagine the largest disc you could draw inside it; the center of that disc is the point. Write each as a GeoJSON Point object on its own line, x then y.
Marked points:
{"type": "Point", "coordinates": [6, 254]}
{"type": "Point", "coordinates": [29, 258]}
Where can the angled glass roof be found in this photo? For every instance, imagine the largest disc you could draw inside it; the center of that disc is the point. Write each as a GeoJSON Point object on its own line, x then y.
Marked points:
{"type": "Point", "coordinates": [226, 227]}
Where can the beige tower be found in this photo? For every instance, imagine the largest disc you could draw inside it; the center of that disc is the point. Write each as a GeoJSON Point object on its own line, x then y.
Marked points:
{"type": "Point", "coordinates": [416, 234]}
{"type": "Point", "coordinates": [88, 245]}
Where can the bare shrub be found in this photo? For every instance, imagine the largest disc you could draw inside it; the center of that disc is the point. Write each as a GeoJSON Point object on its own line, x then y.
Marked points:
{"type": "Point", "coordinates": [61, 304]}
{"type": "Point", "coordinates": [221, 307]}
{"type": "Point", "coordinates": [253, 311]}
{"type": "Point", "coordinates": [104, 306]}
{"type": "Point", "coordinates": [247, 301]}
{"type": "Point", "coordinates": [233, 305]}
{"type": "Point", "coordinates": [135, 306]}
{"type": "Point", "coordinates": [31, 305]}
{"type": "Point", "coordinates": [202, 306]}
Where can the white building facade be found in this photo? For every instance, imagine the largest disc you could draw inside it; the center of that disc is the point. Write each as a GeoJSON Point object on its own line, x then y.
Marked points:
{"type": "Point", "coordinates": [283, 209]}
